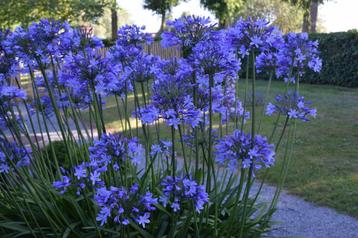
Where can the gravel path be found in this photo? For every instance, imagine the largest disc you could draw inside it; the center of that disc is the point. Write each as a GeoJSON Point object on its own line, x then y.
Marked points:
{"type": "Point", "coordinates": [298, 218]}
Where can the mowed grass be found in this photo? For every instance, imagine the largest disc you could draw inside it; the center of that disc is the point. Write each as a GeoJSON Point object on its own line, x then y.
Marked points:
{"type": "Point", "coordinates": [324, 165]}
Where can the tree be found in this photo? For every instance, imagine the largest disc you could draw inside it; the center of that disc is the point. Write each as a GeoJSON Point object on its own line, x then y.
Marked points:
{"type": "Point", "coordinates": [310, 13]}
{"type": "Point", "coordinates": [114, 19]}
{"type": "Point", "coordinates": [224, 10]}
{"type": "Point", "coordinates": [313, 16]}
{"type": "Point", "coordinates": [282, 14]}
{"type": "Point", "coordinates": [104, 27]}
{"type": "Point", "coordinates": [162, 8]}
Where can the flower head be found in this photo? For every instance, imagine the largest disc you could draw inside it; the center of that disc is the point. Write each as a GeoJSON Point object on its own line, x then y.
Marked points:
{"type": "Point", "coordinates": [186, 32]}
{"type": "Point", "coordinates": [180, 193]}
{"type": "Point", "coordinates": [295, 55]}
{"type": "Point", "coordinates": [13, 154]}
{"type": "Point", "coordinates": [293, 105]}
{"type": "Point", "coordinates": [240, 149]}
{"type": "Point", "coordinates": [122, 205]}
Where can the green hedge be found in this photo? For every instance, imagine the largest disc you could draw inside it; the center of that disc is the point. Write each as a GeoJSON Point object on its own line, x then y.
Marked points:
{"type": "Point", "coordinates": [339, 53]}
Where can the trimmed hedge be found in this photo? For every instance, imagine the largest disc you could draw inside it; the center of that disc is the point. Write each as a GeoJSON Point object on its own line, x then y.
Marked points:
{"type": "Point", "coordinates": [339, 53]}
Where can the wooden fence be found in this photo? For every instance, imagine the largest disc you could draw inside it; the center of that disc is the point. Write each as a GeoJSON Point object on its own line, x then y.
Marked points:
{"type": "Point", "coordinates": [155, 49]}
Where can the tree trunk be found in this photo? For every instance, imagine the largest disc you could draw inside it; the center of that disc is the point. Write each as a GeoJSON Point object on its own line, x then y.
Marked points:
{"type": "Point", "coordinates": [114, 22]}
{"type": "Point", "coordinates": [306, 21]}
{"type": "Point", "coordinates": [162, 23]}
{"type": "Point", "coordinates": [313, 15]}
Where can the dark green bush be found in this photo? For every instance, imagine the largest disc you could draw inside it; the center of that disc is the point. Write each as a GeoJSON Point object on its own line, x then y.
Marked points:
{"type": "Point", "coordinates": [339, 53]}
{"type": "Point", "coordinates": [62, 153]}
{"type": "Point", "coordinates": [108, 42]}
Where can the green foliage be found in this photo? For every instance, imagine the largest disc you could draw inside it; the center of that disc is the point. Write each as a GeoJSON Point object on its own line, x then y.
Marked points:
{"type": "Point", "coordinates": [108, 42]}
{"type": "Point", "coordinates": [160, 6]}
{"type": "Point", "coordinates": [283, 15]}
{"type": "Point", "coordinates": [339, 53]}
{"type": "Point", "coordinates": [225, 10]}
{"type": "Point", "coordinates": [13, 12]}
{"type": "Point", "coordinates": [61, 152]}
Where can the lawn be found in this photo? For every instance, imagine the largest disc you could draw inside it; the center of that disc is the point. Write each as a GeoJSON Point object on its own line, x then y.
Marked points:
{"type": "Point", "coordinates": [324, 166]}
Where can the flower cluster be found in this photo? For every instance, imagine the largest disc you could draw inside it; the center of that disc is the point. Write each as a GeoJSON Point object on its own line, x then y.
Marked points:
{"type": "Point", "coordinates": [186, 32]}
{"type": "Point", "coordinates": [41, 42]}
{"type": "Point", "coordinates": [133, 35]}
{"type": "Point", "coordinates": [163, 149]}
{"type": "Point", "coordinates": [129, 44]}
{"type": "Point", "coordinates": [171, 98]}
{"type": "Point", "coordinates": [12, 154]}
{"type": "Point", "coordinates": [123, 205]}
{"type": "Point", "coordinates": [63, 184]}
{"type": "Point", "coordinates": [293, 105]}
{"type": "Point", "coordinates": [214, 56]}
{"type": "Point", "coordinates": [179, 192]}
{"type": "Point", "coordinates": [88, 72]}
{"type": "Point", "coordinates": [114, 148]}
{"type": "Point", "coordinates": [8, 66]}
{"type": "Point", "coordinates": [109, 153]}
{"type": "Point", "coordinates": [295, 55]}
{"type": "Point", "coordinates": [241, 149]}
{"type": "Point", "coordinates": [251, 35]}
{"type": "Point", "coordinates": [10, 96]}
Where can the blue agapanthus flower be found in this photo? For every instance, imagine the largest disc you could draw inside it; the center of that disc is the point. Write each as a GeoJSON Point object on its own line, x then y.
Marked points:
{"type": "Point", "coordinates": [296, 55]}
{"type": "Point", "coordinates": [110, 153]}
{"type": "Point", "coordinates": [8, 63]}
{"type": "Point", "coordinates": [186, 32]}
{"type": "Point", "coordinates": [240, 150]}
{"type": "Point", "coordinates": [250, 35]}
{"type": "Point", "coordinates": [183, 193]}
{"type": "Point", "coordinates": [133, 35]}
{"type": "Point", "coordinates": [41, 41]}
{"type": "Point", "coordinates": [123, 205]}
{"type": "Point", "coordinates": [163, 149]}
{"type": "Point", "coordinates": [86, 73]}
{"type": "Point", "coordinates": [171, 96]}
{"type": "Point", "coordinates": [10, 96]}
{"type": "Point", "coordinates": [115, 148]}
{"type": "Point", "coordinates": [292, 105]}
{"type": "Point", "coordinates": [129, 44]}
{"type": "Point", "coordinates": [214, 56]}
{"type": "Point", "coordinates": [13, 154]}
{"type": "Point", "coordinates": [63, 184]}
{"type": "Point", "coordinates": [140, 69]}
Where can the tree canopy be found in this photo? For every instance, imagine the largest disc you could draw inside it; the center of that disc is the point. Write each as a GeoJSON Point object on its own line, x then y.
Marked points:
{"type": "Point", "coordinates": [162, 8]}
{"type": "Point", "coordinates": [224, 10]}
{"type": "Point", "coordinates": [15, 12]}
{"type": "Point", "coordinates": [282, 14]}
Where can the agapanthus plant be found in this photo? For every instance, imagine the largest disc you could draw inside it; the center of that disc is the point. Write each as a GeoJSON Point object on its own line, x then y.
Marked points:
{"type": "Point", "coordinates": [196, 122]}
